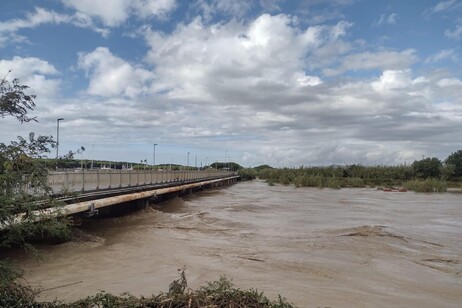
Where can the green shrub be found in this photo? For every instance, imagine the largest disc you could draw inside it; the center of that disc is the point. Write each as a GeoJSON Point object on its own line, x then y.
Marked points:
{"type": "Point", "coordinates": [428, 185]}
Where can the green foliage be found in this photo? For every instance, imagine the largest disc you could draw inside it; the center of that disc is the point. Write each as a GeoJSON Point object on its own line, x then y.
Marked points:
{"type": "Point", "coordinates": [428, 185]}
{"type": "Point", "coordinates": [261, 167]}
{"type": "Point", "coordinates": [229, 166]}
{"type": "Point", "coordinates": [247, 174]}
{"type": "Point", "coordinates": [23, 179]}
{"type": "Point", "coordinates": [427, 168]}
{"type": "Point", "coordinates": [447, 170]}
{"type": "Point", "coordinates": [455, 159]}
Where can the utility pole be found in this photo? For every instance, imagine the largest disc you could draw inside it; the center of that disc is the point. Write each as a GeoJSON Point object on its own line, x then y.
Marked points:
{"type": "Point", "coordinates": [92, 156]}
{"type": "Point", "coordinates": [154, 157]}
{"type": "Point", "coordinates": [57, 140]}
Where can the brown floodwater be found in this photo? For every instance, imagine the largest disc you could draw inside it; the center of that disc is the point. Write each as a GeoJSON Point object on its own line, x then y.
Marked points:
{"type": "Point", "coordinates": [317, 248]}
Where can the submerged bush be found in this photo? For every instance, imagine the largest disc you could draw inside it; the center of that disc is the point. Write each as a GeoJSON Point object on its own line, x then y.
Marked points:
{"type": "Point", "coordinates": [428, 185]}
{"type": "Point", "coordinates": [338, 176]}
{"type": "Point", "coordinates": [247, 174]}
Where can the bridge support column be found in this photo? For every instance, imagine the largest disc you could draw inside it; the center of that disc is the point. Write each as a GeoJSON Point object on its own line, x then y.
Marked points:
{"type": "Point", "coordinates": [142, 203]}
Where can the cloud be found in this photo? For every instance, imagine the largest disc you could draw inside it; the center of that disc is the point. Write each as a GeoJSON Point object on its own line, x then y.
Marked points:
{"type": "Point", "coordinates": [255, 81]}
{"type": "Point", "coordinates": [33, 19]}
{"type": "Point", "coordinates": [39, 17]}
{"type": "Point", "coordinates": [264, 56]}
{"type": "Point", "coordinates": [271, 5]}
{"type": "Point", "coordinates": [211, 8]}
{"type": "Point", "coordinates": [34, 73]}
{"type": "Point", "coordinates": [450, 82]}
{"type": "Point", "coordinates": [392, 80]}
{"type": "Point", "coordinates": [384, 60]}
{"type": "Point", "coordinates": [444, 6]}
{"type": "Point", "coordinates": [112, 76]}
{"type": "Point", "coordinates": [384, 19]}
{"type": "Point", "coordinates": [250, 86]}
{"type": "Point", "coordinates": [118, 11]}
{"type": "Point", "coordinates": [454, 34]}
{"type": "Point", "coordinates": [445, 54]}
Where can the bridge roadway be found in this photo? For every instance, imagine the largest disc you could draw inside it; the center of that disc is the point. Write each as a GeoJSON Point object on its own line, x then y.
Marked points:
{"type": "Point", "coordinates": [85, 191]}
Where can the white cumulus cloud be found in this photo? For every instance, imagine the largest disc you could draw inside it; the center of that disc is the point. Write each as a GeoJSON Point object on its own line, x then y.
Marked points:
{"type": "Point", "coordinates": [112, 76]}
{"type": "Point", "coordinates": [198, 61]}
{"type": "Point", "coordinates": [33, 72]}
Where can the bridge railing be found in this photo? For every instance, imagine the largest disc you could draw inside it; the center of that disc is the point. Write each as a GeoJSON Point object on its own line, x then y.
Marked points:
{"type": "Point", "coordinates": [92, 180]}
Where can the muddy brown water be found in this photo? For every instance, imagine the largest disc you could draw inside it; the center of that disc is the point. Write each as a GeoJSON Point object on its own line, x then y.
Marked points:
{"type": "Point", "coordinates": [317, 248]}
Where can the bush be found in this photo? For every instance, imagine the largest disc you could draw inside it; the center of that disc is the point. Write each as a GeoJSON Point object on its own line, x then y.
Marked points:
{"type": "Point", "coordinates": [428, 185]}
{"type": "Point", "coordinates": [13, 294]}
{"type": "Point", "coordinates": [247, 174]}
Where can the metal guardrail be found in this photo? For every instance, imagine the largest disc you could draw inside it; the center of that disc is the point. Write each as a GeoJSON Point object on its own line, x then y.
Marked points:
{"type": "Point", "coordinates": [94, 180]}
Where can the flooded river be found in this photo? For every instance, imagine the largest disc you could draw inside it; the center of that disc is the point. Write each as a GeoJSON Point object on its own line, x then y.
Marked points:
{"type": "Point", "coordinates": [317, 248]}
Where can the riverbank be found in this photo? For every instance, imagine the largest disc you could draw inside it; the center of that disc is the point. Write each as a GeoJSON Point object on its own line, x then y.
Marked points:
{"type": "Point", "coordinates": [219, 293]}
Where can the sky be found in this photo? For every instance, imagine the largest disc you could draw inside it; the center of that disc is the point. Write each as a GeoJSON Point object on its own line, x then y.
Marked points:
{"type": "Point", "coordinates": [279, 82]}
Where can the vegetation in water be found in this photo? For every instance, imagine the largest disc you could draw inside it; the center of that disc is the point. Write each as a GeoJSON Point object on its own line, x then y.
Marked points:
{"type": "Point", "coordinates": [428, 185]}
{"type": "Point", "coordinates": [426, 175]}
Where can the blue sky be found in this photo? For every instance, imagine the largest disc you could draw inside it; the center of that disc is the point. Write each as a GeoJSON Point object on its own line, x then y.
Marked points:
{"type": "Point", "coordinates": [285, 83]}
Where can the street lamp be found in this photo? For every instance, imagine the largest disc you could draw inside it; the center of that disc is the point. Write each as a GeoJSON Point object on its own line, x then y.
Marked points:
{"type": "Point", "coordinates": [57, 140]}
{"type": "Point", "coordinates": [154, 156]}
{"type": "Point", "coordinates": [188, 161]}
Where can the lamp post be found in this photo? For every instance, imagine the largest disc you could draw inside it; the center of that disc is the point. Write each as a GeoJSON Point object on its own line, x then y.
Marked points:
{"type": "Point", "coordinates": [57, 140]}
{"type": "Point", "coordinates": [188, 161]}
{"type": "Point", "coordinates": [154, 156]}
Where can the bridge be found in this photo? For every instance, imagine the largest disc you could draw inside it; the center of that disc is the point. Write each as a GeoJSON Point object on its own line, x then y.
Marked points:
{"type": "Point", "coordinates": [99, 181]}
{"type": "Point", "coordinates": [86, 192]}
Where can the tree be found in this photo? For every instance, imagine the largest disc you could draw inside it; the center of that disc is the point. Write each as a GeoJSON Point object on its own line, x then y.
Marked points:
{"type": "Point", "coordinates": [23, 177]}
{"type": "Point", "coordinates": [14, 102]}
{"type": "Point", "coordinates": [228, 166]}
{"type": "Point", "coordinates": [455, 159]}
{"type": "Point", "coordinates": [23, 182]}
{"type": "Point", "coordinates": [427, 168]}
